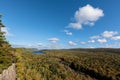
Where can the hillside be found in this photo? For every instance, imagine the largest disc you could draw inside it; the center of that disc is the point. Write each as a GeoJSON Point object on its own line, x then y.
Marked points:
{"type": "Point", "coordinates": [74, 64]}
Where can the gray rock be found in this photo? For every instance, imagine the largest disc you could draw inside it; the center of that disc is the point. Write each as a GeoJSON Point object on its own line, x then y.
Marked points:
{"type": "Point", "coordinates": [9, 74]}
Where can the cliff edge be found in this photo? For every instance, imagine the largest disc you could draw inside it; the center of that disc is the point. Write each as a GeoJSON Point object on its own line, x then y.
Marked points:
{"type": "Point", "coordinates": [9, 74]}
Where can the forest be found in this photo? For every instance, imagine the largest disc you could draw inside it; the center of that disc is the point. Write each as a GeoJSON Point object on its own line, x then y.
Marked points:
{"type": "Point", "coordinates": [71, 64]}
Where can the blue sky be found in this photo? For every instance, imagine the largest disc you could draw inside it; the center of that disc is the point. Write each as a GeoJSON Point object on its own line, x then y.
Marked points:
{"type": "Point", "coordinates": [62, 23]}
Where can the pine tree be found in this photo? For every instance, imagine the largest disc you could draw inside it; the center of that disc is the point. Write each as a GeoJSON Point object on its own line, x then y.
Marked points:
{"type": "Point", "coordinates": [2, 37]}
{"type": "Point", "coordinates": [6, 51]}
{"type": "Point", "coordinates": [3, 42]}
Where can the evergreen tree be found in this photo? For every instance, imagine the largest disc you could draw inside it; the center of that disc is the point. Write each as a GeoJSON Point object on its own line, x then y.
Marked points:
{"type": "Point", "coordinates": [6, 52]}
{"type": "Point", "coordinates": [2, 37]}
{"type": "Point", "coordinates": [3, 42]}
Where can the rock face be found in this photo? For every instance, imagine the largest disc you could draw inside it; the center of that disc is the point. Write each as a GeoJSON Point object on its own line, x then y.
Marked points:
{"type": "Point", "coordinates": [9, 74]}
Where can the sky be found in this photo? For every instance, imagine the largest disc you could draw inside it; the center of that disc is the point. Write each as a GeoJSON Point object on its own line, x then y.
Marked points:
{"type": "Point", "coordinates": [59, 24]}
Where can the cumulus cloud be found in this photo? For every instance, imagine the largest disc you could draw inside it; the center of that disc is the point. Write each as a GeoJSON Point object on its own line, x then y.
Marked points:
{"type": "Point", "coordinates": [108, 34]}
{"type": "Point", "coordinates": [82, 42]}
{"type": "Point", "coordinates": [68, 32]}
{"type": "Point", "coordinates": [75, 26]}
{"type": "Point", "coordinates": [116, 38]}
{"type": "Point", "coordinates": [71, 43]}
{"type": "Point", "coordinates": [91, 41]}
{"type": "Point", "coordinates": [6, 30]}
{"type": "Point", "coordinates": [94, 37]}
{"type": "Point", "coordinates": [102, 40]}
{"type": "Point", "coordinates": [86, 15]}
{"type": "Point", "coordinates": [54, 40]}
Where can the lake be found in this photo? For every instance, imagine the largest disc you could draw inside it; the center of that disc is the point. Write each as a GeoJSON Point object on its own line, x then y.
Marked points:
{"type": "Point", "coordinates": [38, 52]}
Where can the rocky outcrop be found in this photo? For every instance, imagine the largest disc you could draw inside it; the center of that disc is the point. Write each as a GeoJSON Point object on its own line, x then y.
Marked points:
{"type": "Point", "coordinates": [9, 74]}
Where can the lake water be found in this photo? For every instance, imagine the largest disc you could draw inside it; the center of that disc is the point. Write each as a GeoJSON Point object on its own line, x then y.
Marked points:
{"type": "Point", "coordinates": [38, 52]}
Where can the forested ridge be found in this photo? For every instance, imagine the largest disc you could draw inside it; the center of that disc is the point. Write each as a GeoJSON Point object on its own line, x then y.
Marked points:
{"type": "Point", "coordinates": [68, 65]}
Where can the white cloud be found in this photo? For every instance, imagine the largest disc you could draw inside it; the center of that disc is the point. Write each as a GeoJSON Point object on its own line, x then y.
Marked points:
{"type": "Point", "coordinates": [94, 37]}
{"type": "Point", "coordinates": [102, 40]}
{"type": "Point", "coordinates": [68, 32]}
{"type": "Point", "coordinates": [91, 41]}
{"type": "Point", "coordinates": [71, 43]}
{"type": "Point", "coordinates": [86, 15]}
{"type": "Point", "coordinates": [39, 44]}
{"type": "Point", "coordinates": [108, 34]}
{"type": "Point", "coordinates": [116, 38]}
{"type": "Point", "coordinates": [7, 33]}
{"type": "Point", "coordinates": [75, 26]}
{"type": "Point", "coordinates": [54, 40]}
{"type": "Point", "coordinates": [82, 42]}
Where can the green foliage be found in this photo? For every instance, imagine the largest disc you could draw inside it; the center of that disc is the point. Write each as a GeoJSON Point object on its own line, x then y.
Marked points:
{"type": "Point", "coordinates": [68, 65]}
{"type": "Point", "coordinates": [6, 52]}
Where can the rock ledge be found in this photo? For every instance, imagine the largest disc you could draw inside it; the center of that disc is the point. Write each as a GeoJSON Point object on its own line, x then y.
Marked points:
{"type": "Point", "coordinates": [9, 74]}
